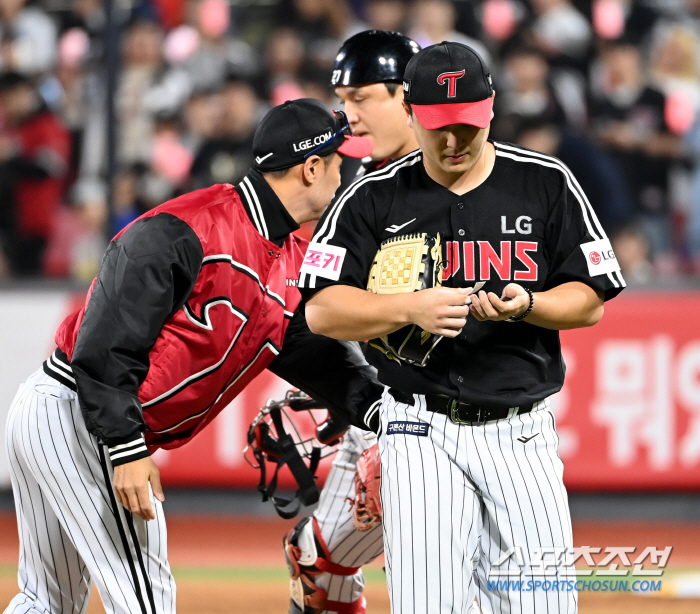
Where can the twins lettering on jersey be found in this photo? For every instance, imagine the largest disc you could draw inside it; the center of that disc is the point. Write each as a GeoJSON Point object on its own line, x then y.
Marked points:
{"type": "Point", "coordinates": [513, 260]}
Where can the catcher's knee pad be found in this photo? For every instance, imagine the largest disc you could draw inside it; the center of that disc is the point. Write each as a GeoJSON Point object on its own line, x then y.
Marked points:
{"type": "Point", "coordinates": [308, 556]}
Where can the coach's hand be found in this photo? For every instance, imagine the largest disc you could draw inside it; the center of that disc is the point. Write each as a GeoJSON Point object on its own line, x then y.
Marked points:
{"type": "Point", "coordinates": [131, 486]}
{"type": "Point", "coordinates": [441, 311]}
{"type": "Point", "coordinates": [513, 302]}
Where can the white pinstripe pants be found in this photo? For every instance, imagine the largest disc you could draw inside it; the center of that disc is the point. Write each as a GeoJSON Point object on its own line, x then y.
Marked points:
{"type": "Point", "coordinates": [459, 497]}
{"type": "Point", "coordinates": [348, 547]}
{"type": "Point", "coordinates": [69, 533]}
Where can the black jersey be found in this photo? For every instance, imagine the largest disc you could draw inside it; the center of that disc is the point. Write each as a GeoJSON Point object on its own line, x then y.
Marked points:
{"type": "Point", "coordinates": [528, 223]}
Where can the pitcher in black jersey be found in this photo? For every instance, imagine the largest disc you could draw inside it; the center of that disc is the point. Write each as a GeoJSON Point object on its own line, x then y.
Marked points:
{"type": "Point", "coordinates": [473, 489]}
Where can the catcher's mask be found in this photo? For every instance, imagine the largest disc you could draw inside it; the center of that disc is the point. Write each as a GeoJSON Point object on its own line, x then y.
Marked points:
{"type": "Point", "coordinates": [274, 437]}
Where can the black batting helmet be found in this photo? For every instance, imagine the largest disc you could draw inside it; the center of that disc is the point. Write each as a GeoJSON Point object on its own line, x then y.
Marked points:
{"type": "Point", "coordinates": [373, 56]}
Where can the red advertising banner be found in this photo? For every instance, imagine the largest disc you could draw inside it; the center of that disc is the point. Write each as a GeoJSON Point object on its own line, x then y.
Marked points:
{"type": "Point", "coordinates": [628, 416]}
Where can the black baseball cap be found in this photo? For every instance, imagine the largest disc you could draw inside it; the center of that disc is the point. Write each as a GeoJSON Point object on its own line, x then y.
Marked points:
{"type": "Point", "coordinates": [449, 83]}
{"type": "Point", "coordinates": [293, 131]}
{"type": "Point", "coordinates": [373, 56]}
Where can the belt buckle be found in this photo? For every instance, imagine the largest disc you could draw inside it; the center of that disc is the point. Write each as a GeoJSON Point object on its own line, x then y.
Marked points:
{"type": "Point", "coordinates": [455, 419]}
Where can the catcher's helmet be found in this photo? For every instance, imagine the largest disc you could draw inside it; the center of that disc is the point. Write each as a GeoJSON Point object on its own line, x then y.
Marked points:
{"type": "Point", "coordinates": [373, 56]}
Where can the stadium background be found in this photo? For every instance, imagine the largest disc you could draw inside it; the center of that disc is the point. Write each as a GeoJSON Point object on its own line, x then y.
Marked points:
{"type": "Point", "coordinates": [610, 86]}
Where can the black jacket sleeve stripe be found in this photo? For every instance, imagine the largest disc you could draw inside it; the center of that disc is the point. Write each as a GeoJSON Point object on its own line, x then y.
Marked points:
{"type": "Point", "coordinates": [146, 276]}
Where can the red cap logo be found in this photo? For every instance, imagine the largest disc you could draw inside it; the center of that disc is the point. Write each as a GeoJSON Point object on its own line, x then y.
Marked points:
{"type": "Point", "coordinates": [595, 257]}
{"type": "Point", "coordinates": [451, 78]}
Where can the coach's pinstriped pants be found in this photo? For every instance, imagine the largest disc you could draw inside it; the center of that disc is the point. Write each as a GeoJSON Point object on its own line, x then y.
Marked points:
{"type": "Point", "coordinates": [69, 532]}
{"type": "Point", "coordinates": [455, 498]}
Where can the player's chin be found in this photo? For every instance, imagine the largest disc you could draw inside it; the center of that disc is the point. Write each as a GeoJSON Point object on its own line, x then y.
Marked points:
{"type": "Point", "coordinates": [457, 164]}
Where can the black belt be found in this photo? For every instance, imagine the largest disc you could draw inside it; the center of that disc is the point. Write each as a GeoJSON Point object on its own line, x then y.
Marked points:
{"type": "Point", "coordinates": [468, 413]}
{"type": "Point", "coordinates": [463, 413]}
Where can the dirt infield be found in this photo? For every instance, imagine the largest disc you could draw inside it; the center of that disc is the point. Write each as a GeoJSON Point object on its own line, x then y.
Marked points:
{"type": "Point", "coordinates": [231, 565]}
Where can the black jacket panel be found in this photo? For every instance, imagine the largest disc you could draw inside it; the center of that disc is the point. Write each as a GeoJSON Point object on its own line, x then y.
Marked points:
{"type": "Point", "coordinates": [147, 274]}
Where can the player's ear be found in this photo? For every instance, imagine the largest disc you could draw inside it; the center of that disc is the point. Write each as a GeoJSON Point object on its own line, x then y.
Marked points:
{"type": "Point", "coordinates": [311, 169]}
{"type": "Point", "coordinates": [407, 108]}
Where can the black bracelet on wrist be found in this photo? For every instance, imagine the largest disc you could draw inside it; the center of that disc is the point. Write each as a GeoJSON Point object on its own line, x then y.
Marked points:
{"type": "Point", "coordinates": [522, 316]}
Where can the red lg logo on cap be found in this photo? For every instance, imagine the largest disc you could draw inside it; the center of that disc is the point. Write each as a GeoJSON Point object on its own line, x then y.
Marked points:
{"type": "Point", "coordinates": [595, 257]}
{"type": "Point", "coordinates": [451, 77]}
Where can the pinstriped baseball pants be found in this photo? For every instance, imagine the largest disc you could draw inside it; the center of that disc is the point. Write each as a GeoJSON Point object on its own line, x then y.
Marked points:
{"type": "Point", "coordinates": [458, 498]}
{"type": "Point", "coordinates": [72, 531]}
{"type": "Point", "coordinates": [348, 547]}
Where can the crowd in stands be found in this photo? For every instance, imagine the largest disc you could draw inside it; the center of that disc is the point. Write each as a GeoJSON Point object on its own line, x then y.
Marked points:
{"type": "Point", "coordinates": [611, 87]}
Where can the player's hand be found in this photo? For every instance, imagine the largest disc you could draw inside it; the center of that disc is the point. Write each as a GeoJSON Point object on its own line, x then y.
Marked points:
{"type": "Point", "coordinates": [441, 311]}
{"type": "Point", "coordinates": [513, 302]}
{"type": "Point", "coordinates": [131, 486]}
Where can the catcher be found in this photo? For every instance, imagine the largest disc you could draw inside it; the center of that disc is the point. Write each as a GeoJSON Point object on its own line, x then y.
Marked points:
{"type": "Point", "coordinates": [371, 92]}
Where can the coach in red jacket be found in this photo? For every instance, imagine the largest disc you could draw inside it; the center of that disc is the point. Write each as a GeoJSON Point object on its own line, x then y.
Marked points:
{"type": "Point", "coordinates": [193, 300]}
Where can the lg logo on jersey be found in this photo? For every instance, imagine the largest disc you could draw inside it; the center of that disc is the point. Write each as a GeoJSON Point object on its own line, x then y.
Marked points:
{"type": "Point", "coordinates": [463, 256]}
{"type": "Point", "coordinates": [597, 258]}
{"type": "Point", "coordinates": [523, 225]}
{"type": "Point", "coordinates": [600, 257]}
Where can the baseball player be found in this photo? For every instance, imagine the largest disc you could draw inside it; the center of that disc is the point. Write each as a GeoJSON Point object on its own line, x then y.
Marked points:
{"type": "Point", "coordinates": [367, 77]}
{"type": "Point", "coordinates": [193, 300]}
{"type": "Point", "coordinates": [470, 469]}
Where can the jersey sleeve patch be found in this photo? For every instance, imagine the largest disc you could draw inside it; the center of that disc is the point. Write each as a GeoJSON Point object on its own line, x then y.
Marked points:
{"type": "Point", "coordinates": [324, 260]}
{"type": "Point", "coordinates": [600, 257]}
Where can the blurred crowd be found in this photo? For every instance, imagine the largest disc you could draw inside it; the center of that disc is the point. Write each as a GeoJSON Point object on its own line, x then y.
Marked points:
{"type": "Point", "coordinates": [611, 87]}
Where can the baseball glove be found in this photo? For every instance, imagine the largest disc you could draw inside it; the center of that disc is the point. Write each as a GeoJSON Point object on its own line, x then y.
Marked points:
{"type": "Point", "coordinates": [367, 506]}
{"type": "Point", "coordinates": [407, 263]}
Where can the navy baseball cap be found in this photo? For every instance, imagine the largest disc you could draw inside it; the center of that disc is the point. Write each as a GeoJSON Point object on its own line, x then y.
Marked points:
{"type": "Point", "coordinates": [449, 83]}
{"type": "Point", "coordinates": [293, 131]}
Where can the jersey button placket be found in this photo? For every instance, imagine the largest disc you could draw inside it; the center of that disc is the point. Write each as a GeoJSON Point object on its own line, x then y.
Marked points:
{"type": "Point", "coordinates": [458, 218]}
